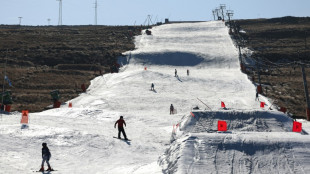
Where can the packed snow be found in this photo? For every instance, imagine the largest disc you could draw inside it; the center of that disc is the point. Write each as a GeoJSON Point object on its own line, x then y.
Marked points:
{"type": "Point", "coordinates": [258, 140]}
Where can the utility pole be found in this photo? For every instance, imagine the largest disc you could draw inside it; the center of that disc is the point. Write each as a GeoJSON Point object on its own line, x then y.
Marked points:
{"type": "Point", "coordinates": [213, 12]}
{"type": "Point", "coordinates": [229, 13]}
{"type": "Point", "coordinates": [96, 5]}
{"type": "Point", "coordinates": [305, 39]}
{"type": "Point", "coordinates": [240, 60]}
{"type": "Point", "coordinates": [20, 20]}
{"type": "Point", "coordinates": [222, 7]}
{"type": "Point", "coordinates": [60, 12]}
{"type": "Point", "coordinates": [306, 91]}
{"type": "Point", "coordinates": [6, 60]}
{"type": "Point", "coordinates": [259, 86]}
{"type": "Point", "coordinates": [217, 13]}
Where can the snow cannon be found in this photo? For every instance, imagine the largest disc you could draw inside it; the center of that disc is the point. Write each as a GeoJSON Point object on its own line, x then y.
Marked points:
{"type": "Point", "coordinates": [55, 97]}
{"type": "Point", "coordinates": [7, 98]}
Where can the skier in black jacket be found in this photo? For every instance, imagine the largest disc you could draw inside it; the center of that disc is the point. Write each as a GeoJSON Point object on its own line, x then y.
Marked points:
{"type": "Point", "coordinates": [46, 155]}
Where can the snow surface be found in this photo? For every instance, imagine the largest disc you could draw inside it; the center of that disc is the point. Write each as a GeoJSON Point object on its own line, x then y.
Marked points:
{"type": "Point", "coordinates": [81, 140]}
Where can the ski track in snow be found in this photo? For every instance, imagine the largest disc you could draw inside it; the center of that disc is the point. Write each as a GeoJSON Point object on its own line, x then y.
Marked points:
{"type": "Point", "coordinates": [81, 138]}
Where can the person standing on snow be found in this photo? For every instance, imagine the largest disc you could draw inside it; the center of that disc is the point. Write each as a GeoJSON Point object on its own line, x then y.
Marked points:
{"type": "Point", "coordinates": [175, 73]}
{"type": "Point", "coordinates": [256, 96]}
{"type": "Point", "coordinates": [152, 87]}
{"type": "Point", "coordinates": [187, 72]}
{"type": "Point", "coordinates": [46, 155]}
{"type": "Point", "coordinates": [171, 109]}
{"type": "Point", "coordinates": [120, 123]}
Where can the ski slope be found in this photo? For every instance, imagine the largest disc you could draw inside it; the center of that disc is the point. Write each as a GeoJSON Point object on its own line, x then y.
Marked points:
{"type": "Point", "coordinates": [81, 138]}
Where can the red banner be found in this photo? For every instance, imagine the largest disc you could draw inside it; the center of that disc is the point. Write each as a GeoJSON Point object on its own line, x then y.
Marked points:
{"type": "Point", "coordinates": [262, 104]}
{"type": "Point", "coordinates": [223, 105]}
{"type": "Point", "coordinates": [297, 126]}
{"type": "Point", "coordinates": [192, 114]}
{"type": "Point", "coordinates": [221, 125]}
{"type": "Point", "coordinates": [24, 117]}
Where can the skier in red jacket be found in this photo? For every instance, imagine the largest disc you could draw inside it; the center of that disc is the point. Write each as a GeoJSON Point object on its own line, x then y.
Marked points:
{"type": "Point", "coordinates": [120, 123]}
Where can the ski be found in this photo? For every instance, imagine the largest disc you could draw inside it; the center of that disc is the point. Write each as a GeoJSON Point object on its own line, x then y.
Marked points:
{"type": "Point", "coordinates": [122, 139]}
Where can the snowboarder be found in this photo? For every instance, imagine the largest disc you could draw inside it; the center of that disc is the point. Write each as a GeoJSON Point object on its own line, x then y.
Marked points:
{"type": "Point", "coordinates": [175, 73]}
{"type": "Point", "coordinates": [187, 72]}
{"type": "Point", "coordinates": [152, 87]}
{"type": "Point", "coordinates": [46, 156]}
{"type": "Point", "coordinates": [171, 109]}
{"type": "Point", "coordinates": [120, 123]}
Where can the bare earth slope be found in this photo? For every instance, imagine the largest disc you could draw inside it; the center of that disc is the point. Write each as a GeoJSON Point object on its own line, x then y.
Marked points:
{"type": "Point", "coordinates": [45, 58]}
{"type": "Point", "coordinates": [280, 41]}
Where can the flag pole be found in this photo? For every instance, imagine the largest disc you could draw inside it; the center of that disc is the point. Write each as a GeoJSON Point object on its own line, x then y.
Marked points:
{"type": "Point", "coordinates": [6, 59]}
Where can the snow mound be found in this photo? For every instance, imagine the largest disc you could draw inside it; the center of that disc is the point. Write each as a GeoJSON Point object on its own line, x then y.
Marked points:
{"type": "Point", "coordinates": [256, 142]}
{"type": "Point", "coordinates": [251, 121]}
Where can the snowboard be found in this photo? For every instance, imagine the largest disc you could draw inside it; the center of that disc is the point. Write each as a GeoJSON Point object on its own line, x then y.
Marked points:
{"type": "Point", "coordinates": [122, 139]}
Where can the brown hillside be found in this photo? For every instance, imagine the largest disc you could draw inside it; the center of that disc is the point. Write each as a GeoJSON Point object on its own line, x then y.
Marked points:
{"type": "Point", "coordinates": [278, 43]}
{"type": "Point", "coordinates": [43, 59]}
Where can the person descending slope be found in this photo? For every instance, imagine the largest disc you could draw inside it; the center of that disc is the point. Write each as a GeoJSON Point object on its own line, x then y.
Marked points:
{"type": "Point", "coordinates": [46, 155]}
{"type": "Point", "coordinates": [175, 73]}
{"type": "Point", "coordinates": [152, 87]}
{"type": "Point", "coordinates": [171, 109]}
{"type": "Point", "coordinates": [120, 123]}
{"type": "Point", "coordinates": [187, 72]}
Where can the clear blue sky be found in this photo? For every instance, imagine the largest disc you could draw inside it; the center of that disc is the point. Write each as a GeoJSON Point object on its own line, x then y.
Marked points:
{"type": "Point", "coordinates": [129, 12]}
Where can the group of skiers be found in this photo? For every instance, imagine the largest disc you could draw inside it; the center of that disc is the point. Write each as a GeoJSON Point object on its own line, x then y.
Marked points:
{"type": "Point", "coordinates": [175, 75]}
{"type": "Point", "coordinates": [46, 154]}
{"type": "Point", "coordinates": [176, 72]}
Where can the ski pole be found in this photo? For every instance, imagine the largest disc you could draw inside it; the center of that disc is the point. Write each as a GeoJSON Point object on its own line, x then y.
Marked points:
{"type": "Point", "coordinates": [204, 103]}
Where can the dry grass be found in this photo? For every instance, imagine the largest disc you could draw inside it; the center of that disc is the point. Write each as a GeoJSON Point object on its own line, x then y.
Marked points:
{"type": "Point", "coordinates": [43, 59]}
{"type": "Point", "coordinates": [281, 40]}
{"type": "Point", "coordinates": [31, 87]}
{"type": "Point", "coordinates": [286, 88]}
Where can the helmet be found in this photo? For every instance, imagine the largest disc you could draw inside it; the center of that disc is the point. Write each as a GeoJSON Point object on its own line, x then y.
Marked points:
{"type": "Point", "coordinates": [44, 144]}
{"type": "Point", "coordinates": [121, 116]}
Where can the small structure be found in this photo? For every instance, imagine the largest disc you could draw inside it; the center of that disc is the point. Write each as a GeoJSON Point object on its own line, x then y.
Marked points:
{"type": "Point", "coordinates": [148, 32]}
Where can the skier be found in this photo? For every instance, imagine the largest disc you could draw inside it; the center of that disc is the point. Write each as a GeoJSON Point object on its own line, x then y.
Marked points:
{"type": "Point", "coordinates": [152, 87]}
{"type": "Point", "coordinates": [120, 123]}
{"type": "Point", "coordinates": [46, 155]}
{"type": "Point", "coordinates": [256, 96]}
{"type": "Point", "coordinates": [187, 72]}
{"type": "Point", "coordinates": [175, 73]}
{"type": "Point", "coordinates": [171, 109]}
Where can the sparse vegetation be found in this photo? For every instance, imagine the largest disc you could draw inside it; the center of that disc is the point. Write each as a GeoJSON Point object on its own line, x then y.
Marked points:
{"type": "Point", "coordinates": [280, 40]}
{"type": "Point", "coordinates": [43, 59]}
